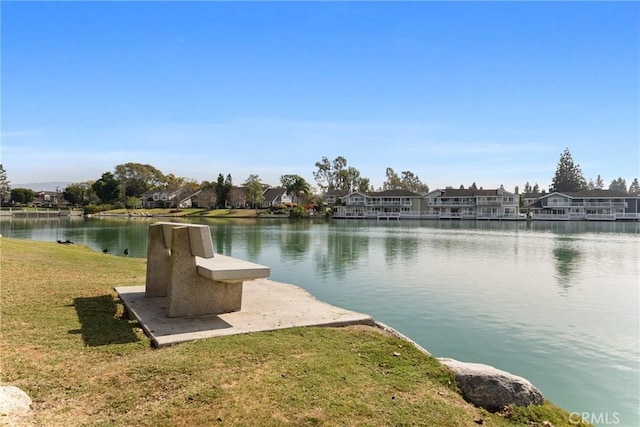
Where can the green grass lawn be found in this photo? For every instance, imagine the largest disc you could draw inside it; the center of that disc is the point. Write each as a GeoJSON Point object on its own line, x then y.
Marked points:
{"type": "Point", "coordinates": [216, 213]}
{"type": "Point", "coordinates": [67, 343]}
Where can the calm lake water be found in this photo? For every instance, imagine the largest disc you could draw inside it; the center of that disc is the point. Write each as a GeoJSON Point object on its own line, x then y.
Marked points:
{"type": "Point", "coordinates": [554, 302]}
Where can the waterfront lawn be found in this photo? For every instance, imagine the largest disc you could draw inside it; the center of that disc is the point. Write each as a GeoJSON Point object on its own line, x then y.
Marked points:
{"type": "Point", "coordinates": [191, 212]}
{"type": "Point", "coordinates": [67, 343]}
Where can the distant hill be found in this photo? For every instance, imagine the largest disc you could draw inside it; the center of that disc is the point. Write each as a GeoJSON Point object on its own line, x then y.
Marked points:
{"type": "Point", "coordinates": [40, 186]}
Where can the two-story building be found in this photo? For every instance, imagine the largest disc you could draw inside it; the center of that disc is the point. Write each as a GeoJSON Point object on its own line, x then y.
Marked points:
{"type": "Point", "coordinates": [49, 199]}
{"type": "Point", "coordinates": [453, 203]}
{"type": "Point", "coordinates": [275, 197]}
{"type": "Point", "coordinates": [603, 205]}
{"type": "Point", "coordinates": [389, 204]}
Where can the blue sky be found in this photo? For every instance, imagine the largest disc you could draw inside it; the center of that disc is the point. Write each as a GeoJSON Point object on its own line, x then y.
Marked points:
{"type": "Point", "coordinates": [455, 92]}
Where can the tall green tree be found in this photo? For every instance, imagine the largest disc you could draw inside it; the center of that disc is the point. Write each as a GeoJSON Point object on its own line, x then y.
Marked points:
{"type": "Point", "coordinates": [223, 188]}
{"type": "Point", "coordinates": [137, 178]}
{"type": "Point", "coordinates": [411, 182]}
{"type": "Point", "coordinates": [107, 188]}
{"type": "Point", "coordinates": [598, 184]}
{"type": "Point", "coordinates": [337, 176]}
{"type": "Point", "coordinates": [332, 175]}
{"type": "Point", "coordinates": [619, 184]}
{"type": "Point", "coordinates": [393, 181]}
{"type": "Point", "coordinates": [22, 195]}
{"type": "Point", "coordinates": [79, 194]}
{"type": "Point", "coordinates": [324, 175]}
{"type": "Point", "coordinates": [408, 181]}
{"type": "Point", "coordinates": [207, 184]}
{"type": "Point", "coordinates": [362, 184]}
{"type": "Point", "coordinates": [568, 175]}
{"type": "Point", "coordinates": [5, 185]}
{"type": "Point", "coordinates": [174, 182]}
{"type": "Point", "coordinates": [635, 186]}
{"type": "Point", "coordinates": [255, 192]}
{"type": "Point", "coordinates": [350, 179]}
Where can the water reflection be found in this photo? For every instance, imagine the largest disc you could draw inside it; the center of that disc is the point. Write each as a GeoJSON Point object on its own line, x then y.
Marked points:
{"type": "Point", "coordinates": [341, 252]}
{"type": "Point", "coordinates": [400, 248]}
{"type": "Point", "coordinates": [566, 264]}
{"type": "Point", "coordinates": [489, 291]}
{"type": "Point", "coordinates": [295, 240]}
{"type": "Point", "coordinates": [222, 238]}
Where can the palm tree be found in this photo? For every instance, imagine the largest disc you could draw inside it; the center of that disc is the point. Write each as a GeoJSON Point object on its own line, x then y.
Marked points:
{"type": "Point", "coordinates": [296, 186]}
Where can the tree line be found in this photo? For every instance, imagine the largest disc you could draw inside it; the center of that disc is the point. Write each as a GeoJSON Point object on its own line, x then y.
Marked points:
{"type": "Point", "coordinates": [127, 182]}
{"type": "Point", "coordinates": [569, 178]}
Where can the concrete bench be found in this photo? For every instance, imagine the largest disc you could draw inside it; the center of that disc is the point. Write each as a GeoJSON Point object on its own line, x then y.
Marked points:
{"type": "Point", "coordinates": [182, 267]}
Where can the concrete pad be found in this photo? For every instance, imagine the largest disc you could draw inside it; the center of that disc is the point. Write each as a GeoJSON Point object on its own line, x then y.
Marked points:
{"type": "Point", "coordinates": [266, 306]}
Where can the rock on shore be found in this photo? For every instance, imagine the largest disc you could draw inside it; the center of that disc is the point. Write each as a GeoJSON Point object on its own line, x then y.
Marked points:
{"type": "Point", "coordinates": [14, 403]}
{"type": "Point", "coordinates": [491, 388]}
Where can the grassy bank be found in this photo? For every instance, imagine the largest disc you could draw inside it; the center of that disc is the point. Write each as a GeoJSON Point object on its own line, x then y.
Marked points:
{"type": "Point", "coordinates": [66, 343]}
{"type": "Point", "coordinates": [209, 213]}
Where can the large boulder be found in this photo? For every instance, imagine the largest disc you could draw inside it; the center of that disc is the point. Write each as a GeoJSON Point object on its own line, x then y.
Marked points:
{"type": "Point", "coordinates": [13, 402]}
{"type": "Point", "coordinates": [491, 388]}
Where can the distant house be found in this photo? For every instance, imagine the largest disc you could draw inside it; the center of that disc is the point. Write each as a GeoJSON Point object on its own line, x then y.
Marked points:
{"type": "Point", "coordinates": [472, 204]}
{"type": "Point", "coordinates": [332, 197]}
{"type": "Point", "coordinates": [275, 196]}
{"type": "Point", "coordinates": [530, 199]}
{"type": "Point", "coordinates": [49, 199]}
{"type": "Point", "coordinates": [237, 198]}
{"type": "Point", "coordinates": [169, 198]}
{"type": "Point", "coordinates": [482, 204]}
{"type": "Point", "coordinates": [388, 204]}
{"type": "Point", "coordinates": [586, 205]}
{"type": "Point", "coordinates": [208, 198]}
{"type": "Point", "coordinates": [205, 199]}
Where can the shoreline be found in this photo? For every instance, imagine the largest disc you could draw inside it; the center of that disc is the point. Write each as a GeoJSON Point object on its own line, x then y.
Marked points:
{"type": "Point", "coordinates": [89, 335]}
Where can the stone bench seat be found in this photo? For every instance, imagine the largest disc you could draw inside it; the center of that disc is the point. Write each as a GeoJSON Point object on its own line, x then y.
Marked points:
{"type": "Point", "coordinates": [223, 268]}
{"type": "Point", "coordinates": [182, 266]}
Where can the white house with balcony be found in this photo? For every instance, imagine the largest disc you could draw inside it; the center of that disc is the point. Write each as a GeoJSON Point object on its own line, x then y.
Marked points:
{"type": "Point", "coordinates": [603, 205]}
{"type": "Point", "coordinates": [388, 204]}
{"type": "Point", "coordinates": [453, 203]}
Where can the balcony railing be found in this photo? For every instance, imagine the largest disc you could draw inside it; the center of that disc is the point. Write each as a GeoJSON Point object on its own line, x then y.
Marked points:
{"type": "Point", "coordinates": [350, 214]}
{"type": "Point", "coordinates": [551, 216]}
{"type": "Point", "coordinates": [389, 203]}
{"type": "Point", "coordinates": [497, 215]}
{"type": "Point", "coordinates": [454, 203]}
{"type": "Point", "coordinates": [574, 204]}
{"type": "Point", "coordinates": [610, 217]}
{"type": "Point", "coordinates": [605, 204]}
{"type": "Point", "coordinates": [629, 215]}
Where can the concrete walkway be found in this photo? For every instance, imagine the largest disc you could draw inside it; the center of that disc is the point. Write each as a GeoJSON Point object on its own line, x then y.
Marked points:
{"type": "Point", "coordinates": [266, 306]}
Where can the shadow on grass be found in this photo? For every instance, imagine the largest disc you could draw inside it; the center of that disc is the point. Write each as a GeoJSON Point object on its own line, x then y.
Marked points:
{"type": "Point", "coordinates": [100, 326]}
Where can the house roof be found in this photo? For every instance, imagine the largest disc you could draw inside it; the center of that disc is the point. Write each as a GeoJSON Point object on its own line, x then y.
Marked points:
{"type": "Point", "coordinates": [270, 194]}
{"type": "Point", "coordinates": [385, 193]}
{"type": "Point", "coordinates": [180, 193]}
{"type": "Point", "coordinates": [393, 193]}
{"type": "Point", "coordinates": [533, 195]}
{"type": "Point", "coordinates": [337, 193]}
{"type": "Point", "coordinates": [453, 192]}
{"type": "Point", "coordinates": [597, 194]}
{"type": "Point", "coordinates": [150, 193]}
